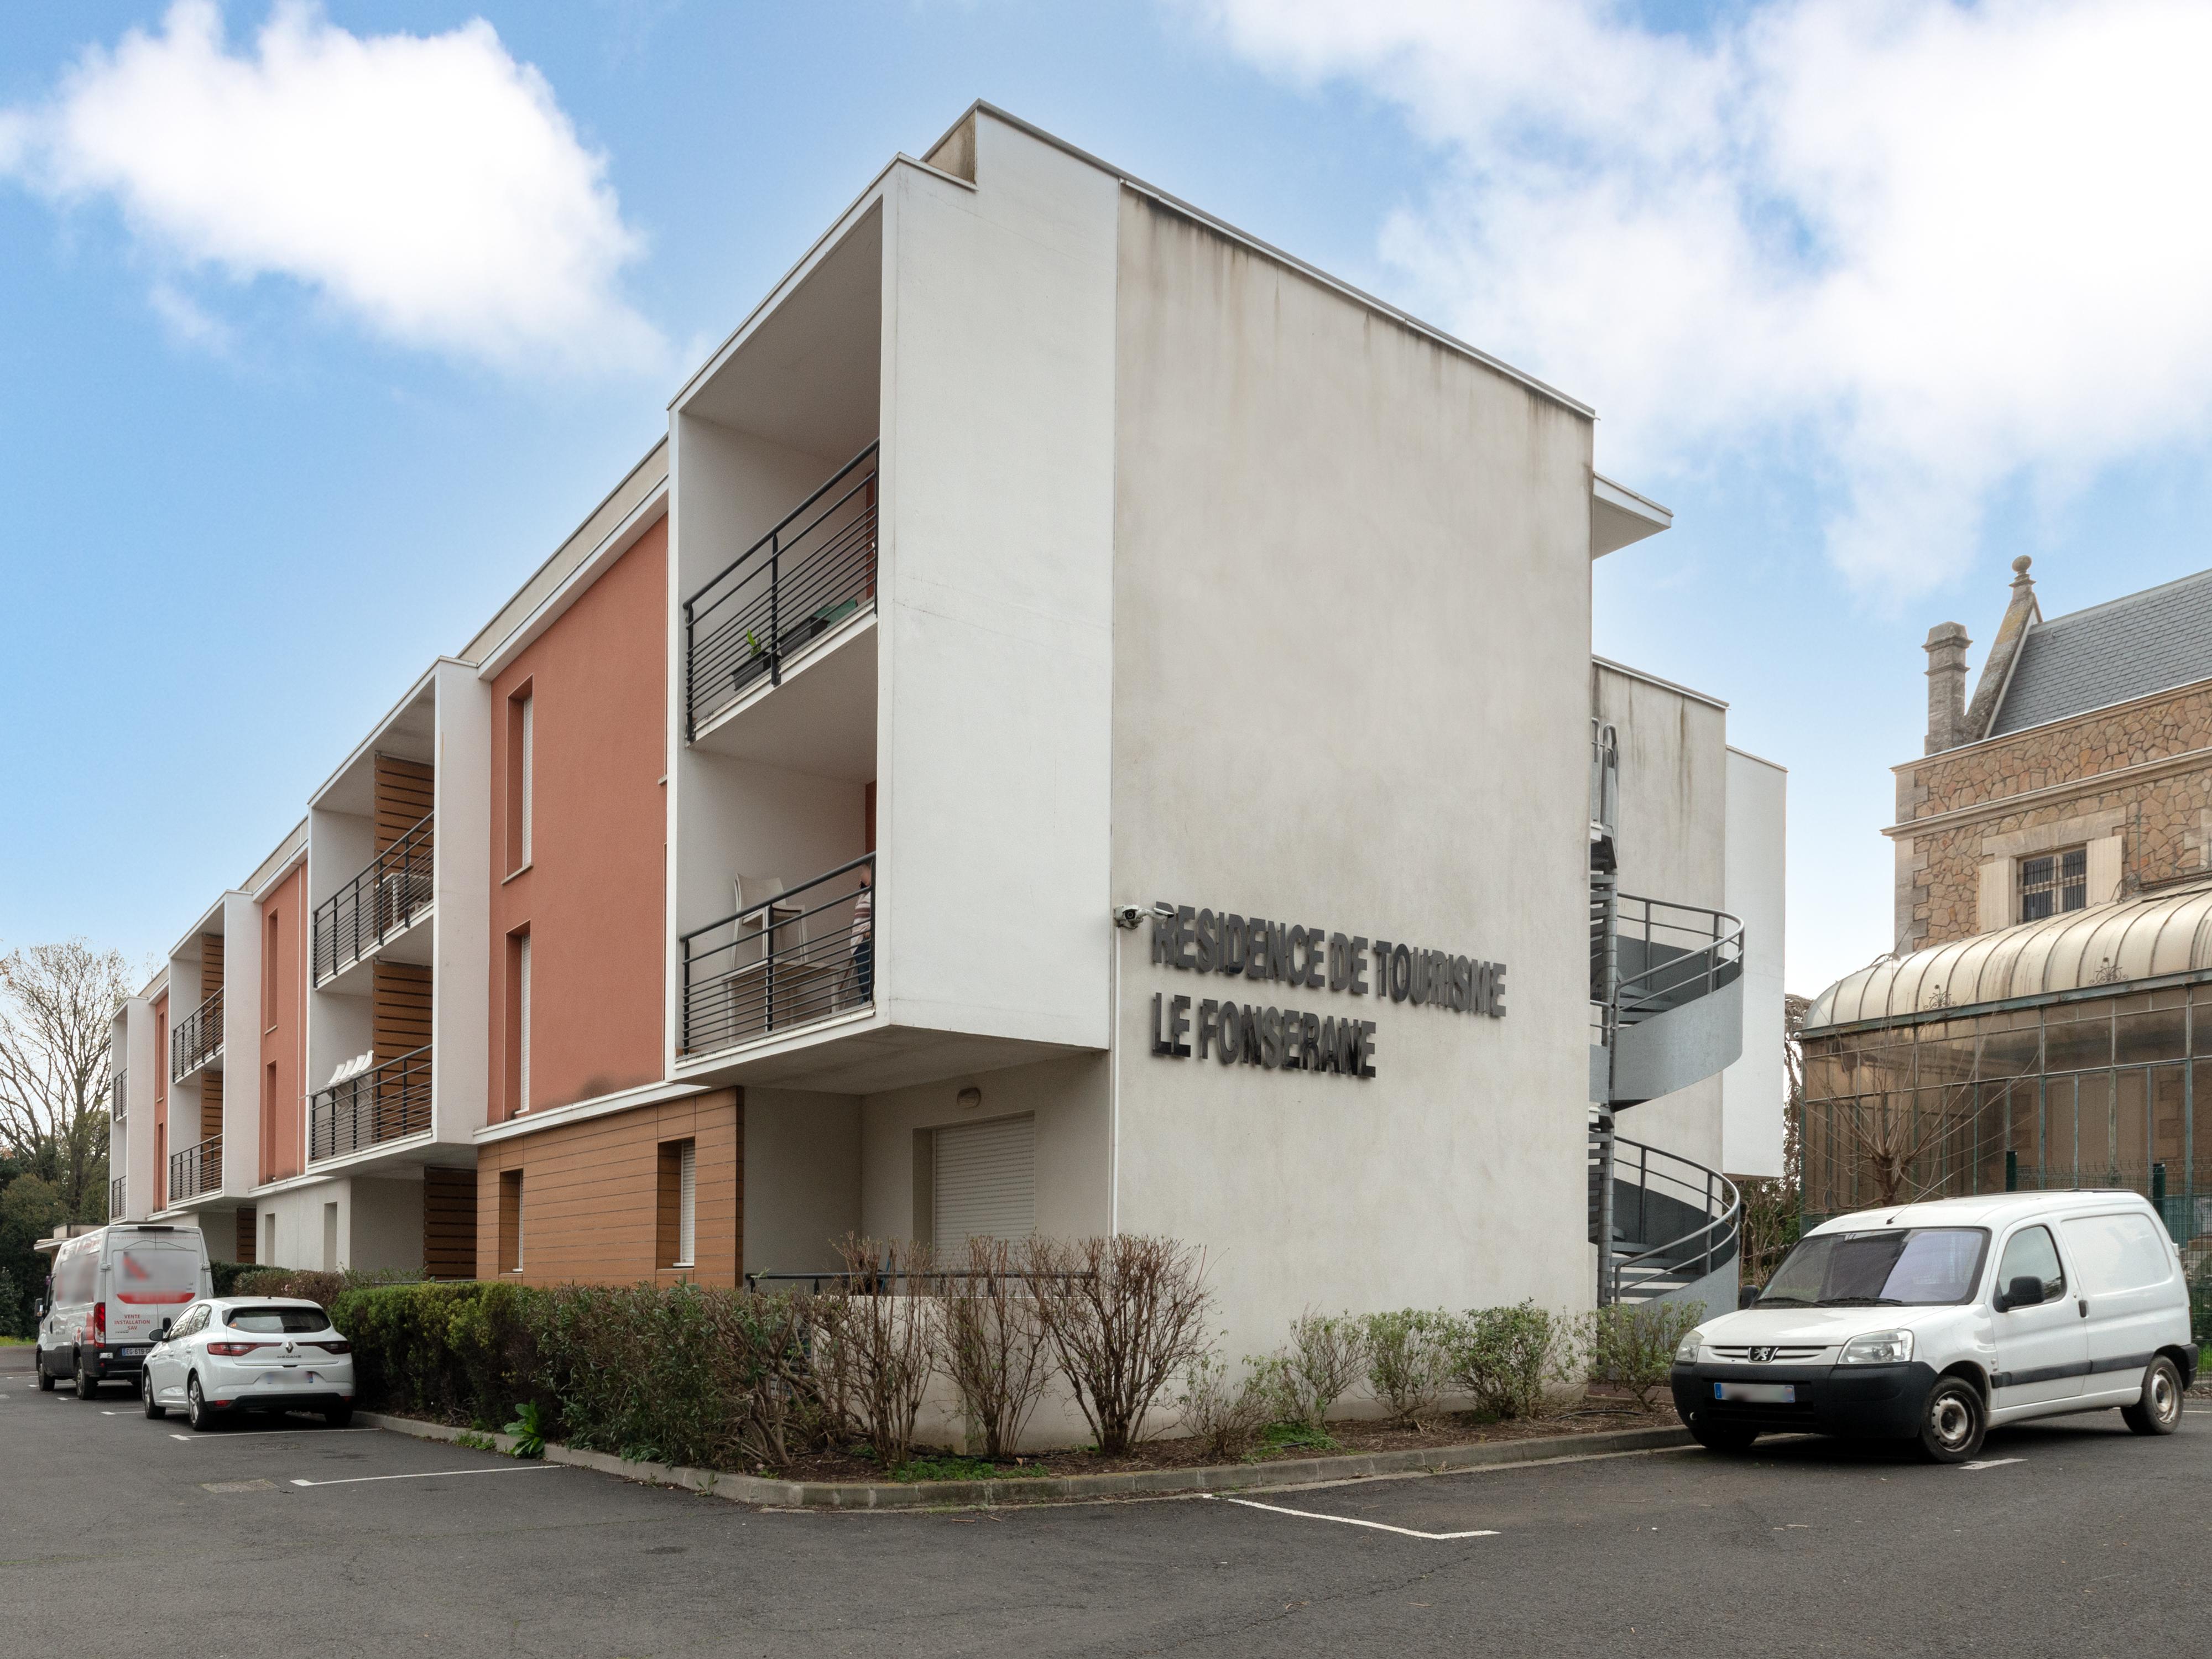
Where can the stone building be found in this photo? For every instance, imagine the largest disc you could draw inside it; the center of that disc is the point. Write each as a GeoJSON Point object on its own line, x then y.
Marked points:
{"type": "Point", "coordinates": [2035, 1026]}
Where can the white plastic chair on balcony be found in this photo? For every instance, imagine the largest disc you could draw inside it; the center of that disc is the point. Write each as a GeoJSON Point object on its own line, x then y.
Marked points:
{"type": "Point", "coordinates": [763, 928]}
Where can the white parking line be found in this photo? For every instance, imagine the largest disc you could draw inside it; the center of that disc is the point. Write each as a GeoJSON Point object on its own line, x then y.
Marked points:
{"type": "Point", "coordinates": [251, 1435]}
{"type": "Point", "coordinates": [428, 1475]}
{"type": "Point", "coordinates": [1351, 1520]}
{"type": "Point", "coordinates": [1993, 1462]}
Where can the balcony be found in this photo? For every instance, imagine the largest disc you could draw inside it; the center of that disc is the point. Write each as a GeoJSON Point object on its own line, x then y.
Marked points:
{"type": "Point", "coordinates": [385, 1102]}
{"type": "Point", "coordinates": [197, 1040]}
{"type": "Point", "coordinates": [803, 582]}
{"type": "Point", "coordinates": [196, 1171]}
{"type": "Point", "coordinates": [376, 907]}
{"type": "Point", "coordinates": [788, 959]}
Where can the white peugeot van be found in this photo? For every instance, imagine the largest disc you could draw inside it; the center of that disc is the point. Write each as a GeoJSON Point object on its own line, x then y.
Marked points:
{"type": "Point", "coordinates": [111, 1293]}
{"type": "Point", "coordinates": [1937, 1321]}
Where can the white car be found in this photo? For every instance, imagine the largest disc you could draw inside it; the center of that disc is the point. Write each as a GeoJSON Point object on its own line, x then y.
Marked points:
{"type": "Point", "coordinates": [1937, 1321]}
{"type": "Point", "coordinates": [227, 1355]}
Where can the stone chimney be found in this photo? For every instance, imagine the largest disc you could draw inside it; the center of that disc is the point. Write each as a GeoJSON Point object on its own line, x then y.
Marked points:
{"type": "Point", "coordinates": [1947, 685]}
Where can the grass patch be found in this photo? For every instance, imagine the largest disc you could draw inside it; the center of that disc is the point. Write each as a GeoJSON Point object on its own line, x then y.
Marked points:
{"type": "Point", "coordinates": [967, 1469]}
{"type": "Point", "coordinates": [1302, 1437]}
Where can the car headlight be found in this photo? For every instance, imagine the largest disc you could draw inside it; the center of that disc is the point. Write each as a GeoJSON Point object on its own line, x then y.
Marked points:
{"type": "Point", "coordinates": [1686, 1354]}
{"type": "Point", "coordinates": [1877, 1348]}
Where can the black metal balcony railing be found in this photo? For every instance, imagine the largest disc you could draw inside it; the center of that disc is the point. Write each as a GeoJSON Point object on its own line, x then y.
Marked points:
{"type": "Point", "coordinates": [115, 1194]}
{"type": "Point", "coordinates": [198, 1038]}
{"type": "Point", "coordinates": [380, 903]}
{"type": "Point", "coordinates": [788, 962]}
{"type": "Point", "coordinates": [815, 571]}
{"type": "Point", "coordinates": [385, 1102]}
{"type": "Point", "coordinates": [118, 1097]}
{"type": "Point", "coordinates": [197, 1171]}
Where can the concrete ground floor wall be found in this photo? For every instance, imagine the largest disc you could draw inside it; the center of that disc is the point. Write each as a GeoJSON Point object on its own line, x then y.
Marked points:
{"type": "Point", "coordinates": [365, 1223]}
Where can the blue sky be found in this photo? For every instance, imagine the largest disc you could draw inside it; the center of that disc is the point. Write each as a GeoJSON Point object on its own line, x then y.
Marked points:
{"type": "Point", "coordinates": [1869, 343]}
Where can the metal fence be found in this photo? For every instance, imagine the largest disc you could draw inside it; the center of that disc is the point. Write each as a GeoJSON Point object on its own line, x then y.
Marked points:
{"type": "Point", "coordinates": [815, 571]}
{"type": "Point", "coordinates": [385, 1102]}
{"type": "Point", "coordinates": [197, 1171]}
{"type": "Point", "coordinates": [198, 1038]}
{"type": "Point", "coordinates": [792, 959]}
{"type": "Point", "coordinates": [380, 903]}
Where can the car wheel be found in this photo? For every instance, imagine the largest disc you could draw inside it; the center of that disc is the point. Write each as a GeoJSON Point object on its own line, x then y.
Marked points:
{"type": "Point", "coordinates": [1952, 1422]}
{"type": "Point", "coordinates": [196, 1407]}
{"type": "Point", "coordinates": [2158, 1411]}
{"type": "Point", "coordinates": [338, 1415]}
{"type": "Point", "coordinates": [46, 1377]}
{"type": "Point", "coordinates": [86, 1387]}
{"type": "Point", "coordinates": [1723, 1436]}
{"type": "Point", "coordinates": [153, 1409]}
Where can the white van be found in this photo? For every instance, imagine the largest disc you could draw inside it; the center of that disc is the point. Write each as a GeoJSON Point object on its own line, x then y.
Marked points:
{"type": "Point", "coordinates": [111, 1293]}
{"type": "Point", "coordinates": [1937, 1321]}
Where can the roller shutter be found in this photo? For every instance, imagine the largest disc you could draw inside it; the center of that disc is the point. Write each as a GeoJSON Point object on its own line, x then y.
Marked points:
{"type": "Point", "coordinates": [984, 1181]}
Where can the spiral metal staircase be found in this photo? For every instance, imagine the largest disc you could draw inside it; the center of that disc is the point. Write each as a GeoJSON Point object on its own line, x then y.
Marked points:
{"type": "Point", "coordinates": [1666, 1011]}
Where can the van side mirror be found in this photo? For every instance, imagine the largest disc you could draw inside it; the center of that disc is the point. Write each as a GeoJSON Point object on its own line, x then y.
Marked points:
{"type": "Point", "coordinates": [163, 1335]}
{"type": "Point", "coordinates": [2025, 1291]}
{"type": "Point", "coordinates": [1746, 1294]}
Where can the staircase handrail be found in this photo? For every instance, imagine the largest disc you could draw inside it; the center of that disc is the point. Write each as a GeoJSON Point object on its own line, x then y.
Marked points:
{"type": "Point", "coordinates": [1700, 1244]}
{"type": "Point", "coordinates": [1715, 960]}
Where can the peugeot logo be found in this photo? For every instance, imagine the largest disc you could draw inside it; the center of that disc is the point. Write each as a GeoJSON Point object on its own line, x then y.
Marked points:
{"type": "Point", "coordinates": [1762, 1356]}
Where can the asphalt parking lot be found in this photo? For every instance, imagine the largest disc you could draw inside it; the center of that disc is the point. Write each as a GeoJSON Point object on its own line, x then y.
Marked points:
{"type": "Point", "coordinates": [287, 1537]}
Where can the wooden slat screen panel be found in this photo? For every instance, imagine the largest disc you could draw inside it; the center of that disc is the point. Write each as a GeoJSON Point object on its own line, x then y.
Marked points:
{"type": "Point", "coordinates": [449, 1224]}
{"type": "Point", "coordinates": [403, 797]}
{"type": "Point", "coordinates": [592, 1194]}
{"type": "Point", "coordinates": [210, 964]}
{"type": "Point", "coordinates": [400, 994]}
{"type": "Point", "coordinates": [210, 1103]}
{"type": "Point", "coordinates": [247, 1235]}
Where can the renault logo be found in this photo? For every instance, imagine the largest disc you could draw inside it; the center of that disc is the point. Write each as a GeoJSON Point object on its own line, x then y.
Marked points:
{"type": "Point", "coordinates": [1762, 1356]}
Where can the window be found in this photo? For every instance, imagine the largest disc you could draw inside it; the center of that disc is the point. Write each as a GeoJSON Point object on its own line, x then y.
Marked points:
{"type": "Point", "coordinates": [2052, 883]}
{"type": "Point", "coordinates": [1916, 1267]}
{"type": "Point", "coordinates": [510, 1221]}
{"type": "Point", "coordinates": [2031, 1254]}
{"type": "Point", "coordinates": [676, 1231]}
{"type": "Point", "coordinates": [517, 1023]}
{"type": "Point", "coordinates": [983, 1183]}
{"type": "Point", "coordinates": [269, 973]}
{"type": "Point", "coordinates": [520, 762]}
{"type": "Point", "coordinates": [293, 1320]}
{"type": "Point", "coordinates": [269, 1240]}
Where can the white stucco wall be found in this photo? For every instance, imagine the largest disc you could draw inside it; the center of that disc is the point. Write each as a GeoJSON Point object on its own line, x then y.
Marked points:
{"type": "Point", "coordinates": [1352, 627]}
{"type": "Point", "coordinates": [1752, 1089]}
{"type": "Point", "coordinates": [460, 974]}
{"type": "Point", "coordinates": [995, 686]}
{"type": "Point", "coordinates": [1671, 841]}
{"type": "Point", "coordinates": [802, 1178]}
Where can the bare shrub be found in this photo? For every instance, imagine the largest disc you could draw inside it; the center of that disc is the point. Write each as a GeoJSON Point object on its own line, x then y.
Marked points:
{"type": "Point", "coordinates": [994, 1344]}
{"type": "Point", "coordinates": [1506, 1356]}
{"type": "Point", "coordinates": [1633, 1343]}
{"type": "Point", "coordinates": [883, 1341]}
{"type": "Point", "coordinates": [1408, 1362]}
{"type": "Point", "coordinates": [1327, 1354]}
{"type": "Point", "coordinates": [1124, 1314]}
{"type": "Point", "coordinates": [1226, 1415]}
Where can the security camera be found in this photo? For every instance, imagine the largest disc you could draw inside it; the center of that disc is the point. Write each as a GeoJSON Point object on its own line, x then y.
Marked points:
{"type": "Point", "coordinates": [1128, 916]}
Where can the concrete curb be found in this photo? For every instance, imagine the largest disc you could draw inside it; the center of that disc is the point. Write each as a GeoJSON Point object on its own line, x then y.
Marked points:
{"type": "Point", "coordinates": [1073, 1488]}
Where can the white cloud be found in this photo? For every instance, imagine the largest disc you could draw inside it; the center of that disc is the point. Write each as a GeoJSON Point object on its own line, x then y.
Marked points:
{"type": "Point", "coordinates": [430, 187]}
{"type": "Point", "coordinates": [1945, 248]}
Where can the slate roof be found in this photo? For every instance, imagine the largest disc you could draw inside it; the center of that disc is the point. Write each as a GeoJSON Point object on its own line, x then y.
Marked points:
{"type": "Point", "coordinates": [2126, 647]}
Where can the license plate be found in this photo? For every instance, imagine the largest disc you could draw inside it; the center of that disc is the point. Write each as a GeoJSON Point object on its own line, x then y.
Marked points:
{"type": "Point", "coordinates": [134, 1353]}
{"type": "Point", "coordinates": [1758, 1394]}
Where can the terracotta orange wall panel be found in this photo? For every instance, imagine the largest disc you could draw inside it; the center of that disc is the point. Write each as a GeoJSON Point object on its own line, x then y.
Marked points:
{"type": "Point", "coordinates": [592, 1195]}
{"type": "Point", "coordinates": [284, 999]}
{"type": "Point", "coordinates": [591, 893]}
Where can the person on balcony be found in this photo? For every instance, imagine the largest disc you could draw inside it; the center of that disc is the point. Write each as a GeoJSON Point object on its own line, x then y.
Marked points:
{"type": "Point", "coordinates": [864, 935]}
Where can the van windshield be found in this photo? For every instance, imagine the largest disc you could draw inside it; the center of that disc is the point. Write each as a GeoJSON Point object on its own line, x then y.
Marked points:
{"type": "Point", "coordinates": [1902, 1267]}
{"type": "Point", "coordinates": [278, 1321]}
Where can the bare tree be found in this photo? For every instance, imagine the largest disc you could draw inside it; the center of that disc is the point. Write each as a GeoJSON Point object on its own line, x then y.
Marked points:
{"type": "Point", "coordinates": [1773, 1206]}
{"type": "Point", "coordinates": [55, 1004]}
{"type": "Point", "coordinates": [1125, 1314]}
{"type": "Point", "coordinates": [995, 1348]}
{"type": "Point", "coordinates": [1888, 1137]}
